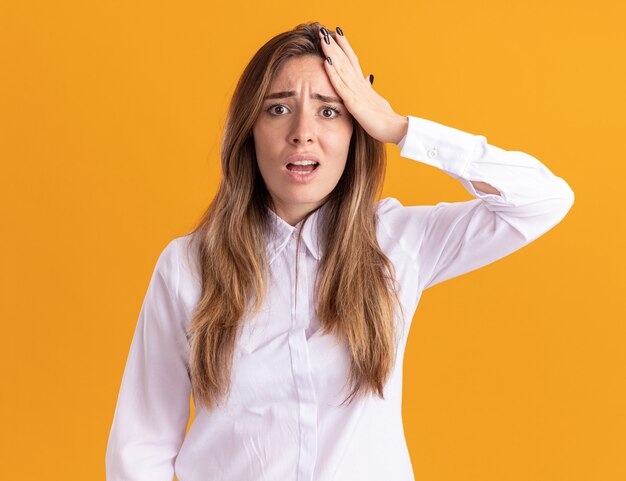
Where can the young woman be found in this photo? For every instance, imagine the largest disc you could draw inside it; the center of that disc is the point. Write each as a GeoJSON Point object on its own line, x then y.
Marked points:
{"type": "Point", "coordinates": [286, 311]}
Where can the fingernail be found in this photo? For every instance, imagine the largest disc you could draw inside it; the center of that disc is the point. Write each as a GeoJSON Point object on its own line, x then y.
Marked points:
{"type": "Point", "coordinates": [326, 39]}
{"type": "Point", "coordinates": [330, 62]}
{"type": "Point", "coordinates": [371, 79]}
{"type": "Point", "coordinates": [339, 31]}
{"type": "Point", "coordinates": [324, 31]}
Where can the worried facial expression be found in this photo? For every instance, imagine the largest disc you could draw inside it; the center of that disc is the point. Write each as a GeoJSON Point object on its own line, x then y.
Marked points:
{"type": "Point", "coordinates": [302, 113]}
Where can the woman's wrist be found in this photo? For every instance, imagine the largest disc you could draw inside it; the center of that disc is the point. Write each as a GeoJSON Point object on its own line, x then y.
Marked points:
{"type": "Point", "coordinates": [401, 129]}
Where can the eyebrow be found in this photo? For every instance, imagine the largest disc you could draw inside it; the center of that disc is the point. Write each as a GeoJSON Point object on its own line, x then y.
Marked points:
{"type": "Point", "coordinates": [292, 93]}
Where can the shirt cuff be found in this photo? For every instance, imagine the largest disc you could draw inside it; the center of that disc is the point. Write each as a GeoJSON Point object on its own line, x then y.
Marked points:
{"type": "Point", "coordinates": [401, 143]}
{"type": "Point", "coordinates": [438, 145]}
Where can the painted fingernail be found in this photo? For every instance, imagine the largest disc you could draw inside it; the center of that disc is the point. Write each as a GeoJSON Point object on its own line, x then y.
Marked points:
{"type": "Point", "coordinates": [326, 39]}
{"type": "Point", "coordinates": [371, 79]}
{"type": "Point", "coordinates": [339, 31]}
{"type": "Point", "coordinates": [324, 31]}
{"type": "Point", "coordinates": [330, 62]}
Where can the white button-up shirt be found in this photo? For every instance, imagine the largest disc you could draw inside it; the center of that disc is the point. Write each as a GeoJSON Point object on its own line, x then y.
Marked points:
{"type": "Point", "coordinates": [283, 420]}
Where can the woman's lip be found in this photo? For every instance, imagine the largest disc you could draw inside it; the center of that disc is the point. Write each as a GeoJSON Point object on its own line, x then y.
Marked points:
{"type": "Point", "coordinates": [302, 156]}
{"type": "Point", "coordinates": [302, 179]}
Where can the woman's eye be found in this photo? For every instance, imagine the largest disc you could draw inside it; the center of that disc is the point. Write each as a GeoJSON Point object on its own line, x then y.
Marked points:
{"type": "Point", "coordinates": [276, 105]}
{"type": "Point", "coordinates": [274, 110]}
{"type": "Point", "coordinates": [332, 109]}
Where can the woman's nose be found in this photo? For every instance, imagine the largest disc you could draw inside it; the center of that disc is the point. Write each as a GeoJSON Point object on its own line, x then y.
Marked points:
{"type": "Point", "coordinates": [304, 128]}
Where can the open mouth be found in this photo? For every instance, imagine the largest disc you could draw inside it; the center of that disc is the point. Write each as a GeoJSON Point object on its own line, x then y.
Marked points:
{"type": "Point", "coordinates": [302, 169]}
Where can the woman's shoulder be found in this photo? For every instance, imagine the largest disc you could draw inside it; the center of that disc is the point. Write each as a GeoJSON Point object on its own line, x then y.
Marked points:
{"type": "Point", "coordinates": [177, 261]}
{"type": "Point", "coordinates": [401, 225]}
{"type": "Point", "coordinates": [385, 205]}
{"type": "Point", "coordinates": [184, 249]}
{"type": "Point", "coordinates": [180, 260]}
{"type": "Point", "coordinates": [395, 214]}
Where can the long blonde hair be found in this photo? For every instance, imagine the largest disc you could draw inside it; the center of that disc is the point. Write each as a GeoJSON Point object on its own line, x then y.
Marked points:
{"type": "Point", "coordinates": [357, 285]}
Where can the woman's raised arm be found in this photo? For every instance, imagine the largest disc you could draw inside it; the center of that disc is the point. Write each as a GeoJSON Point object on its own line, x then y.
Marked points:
{"type": "Point", "coordinates": [450, 239]}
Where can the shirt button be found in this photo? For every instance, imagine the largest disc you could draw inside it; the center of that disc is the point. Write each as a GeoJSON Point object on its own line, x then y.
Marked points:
{"type": "Point", "coordinates": [432, 153]}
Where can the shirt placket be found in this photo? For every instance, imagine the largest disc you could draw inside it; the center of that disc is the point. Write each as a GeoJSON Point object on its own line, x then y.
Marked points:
{"type": "Point", "coordinates": [301, 368]}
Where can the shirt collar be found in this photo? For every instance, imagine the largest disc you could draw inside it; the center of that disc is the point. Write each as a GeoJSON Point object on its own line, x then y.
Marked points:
{"type": "Point", "coordinates": [281, 231]}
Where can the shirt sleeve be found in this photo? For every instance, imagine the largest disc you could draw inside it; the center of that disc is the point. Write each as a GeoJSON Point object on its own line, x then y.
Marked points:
{"type": "Point", "coordinates": [449, 239]}
{"type": "Point", "coordinates": [152, 408]}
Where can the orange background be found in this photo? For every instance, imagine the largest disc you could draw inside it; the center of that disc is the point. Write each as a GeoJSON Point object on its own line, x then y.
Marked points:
{"type": "Point", "coordinates": [111, 115]}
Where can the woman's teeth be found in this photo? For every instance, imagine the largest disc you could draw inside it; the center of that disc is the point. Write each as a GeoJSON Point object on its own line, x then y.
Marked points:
{"type": "Point", "coordinates": [310, 166]}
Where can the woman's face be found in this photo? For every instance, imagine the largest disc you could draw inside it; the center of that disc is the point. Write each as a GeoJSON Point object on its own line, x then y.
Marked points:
{"type": "Point", "coordinates": [298, 122]}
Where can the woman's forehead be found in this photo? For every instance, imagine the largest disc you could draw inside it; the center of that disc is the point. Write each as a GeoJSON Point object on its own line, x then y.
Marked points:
{"type": "Point", "coordinates": [300, 68]}
{"type": "Point", "coordinates": [297, 74]}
